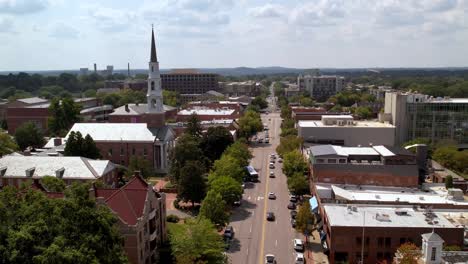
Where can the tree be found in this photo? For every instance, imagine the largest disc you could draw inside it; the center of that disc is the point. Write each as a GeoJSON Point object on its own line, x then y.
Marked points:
{"type": "Point", "coordinates": [445, 155]}
{"type": "Point", "coordinates": [260, 102]}
{"type": "Point", "coordinates": [193, 126]}
{"type": "Point", "coordinates": [249, 124]}
{"type": "Point", "coordinates": [449, 182]}
{"type": "Point", "coordinates": [215, 141]}
{"type": "Point", "coordinates": [298, 184]}
{"type": "Point", "coordinates": [227, 166]}
{"type": "Point", "coordinates": [186, 149]}
{"type": "Point", "coordinates": [288, 144]}
{"type": "Point", "coordinates": [294, 162]}
{"type": "Point", "coordinates": [214, 208]}
{"type": "Point", "coordinates": [408, 253]}
{"type": "Point", "coordinates": [305, 219]}
{"type": "Point", "coordinates": [82, 147]}
{"type": "Point", "coordinates": [28, 135]}
{"type": "Point", "coordinates": [196, 242]}
{"type": "Point", "coordinates": [64, 114]}
{"type": "Point", "coordinates": [191, 186]}
{"type": "Point", "coordinates": [171, 98]}
{"type": "Point", "coordinates": [240, 152]}
{"type": "Point", "coordinates": [140, 164]}
{"type": "Point", "coordinates": [71, 230]}
{"type": "Point", "coordinates": [7, 144]}
{"type": "Point", "coordinates": [363, 112]}
{"type": "Point", "coordinates": [53, 184]}
{"type": "Point", "coordinates": [229, 189]}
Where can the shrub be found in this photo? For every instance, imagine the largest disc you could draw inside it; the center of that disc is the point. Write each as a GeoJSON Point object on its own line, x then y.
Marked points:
{"type": "Point", "coordinates": [172, 218]}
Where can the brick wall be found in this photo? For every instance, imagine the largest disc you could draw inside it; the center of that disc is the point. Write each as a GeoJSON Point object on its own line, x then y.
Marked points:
{"type": "Point", "coordinates": [16, 116]}
{"type": "Point", "coordinates": [129, 149]}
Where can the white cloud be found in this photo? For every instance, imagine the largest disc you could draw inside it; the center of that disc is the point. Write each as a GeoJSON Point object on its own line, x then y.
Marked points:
{"type": "Point", "coordinates": [62, 31]}
{"type": "Point", "coordinates": [111, 20]}
{"type": "Point", "coordinates": [267, 11]}
{"type": "Point", "coordinates": [6, 25]}
{"type": "Point", "coordinates": [20, 7]}
{"type": "Point", "coordinates": [323, 13]}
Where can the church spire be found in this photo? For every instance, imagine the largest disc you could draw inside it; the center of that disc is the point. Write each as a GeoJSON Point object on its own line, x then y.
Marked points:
{"type": "Point", "coordinates": [154, 58]}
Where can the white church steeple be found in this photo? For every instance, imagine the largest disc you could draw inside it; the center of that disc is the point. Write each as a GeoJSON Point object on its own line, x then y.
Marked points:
{"type": "Point", "coordinates": [154, 94]}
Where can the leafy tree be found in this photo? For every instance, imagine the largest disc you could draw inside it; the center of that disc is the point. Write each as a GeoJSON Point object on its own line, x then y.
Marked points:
{"type": "Point", "coordinates": [64, 114]}
{"type": "Point", "coordinates": [305, 219]}
{"type": "Point", "coordinates": [288, 132]}
{"type": "Point", "coordinates": [28, 135]}
{"type": "Point", "coordinates": [193, 126]}
{"type": "Point", "coordinates": [71, 230]}
{"type": "Point", "coordinates": [171, 98]}
{"type": "Point", "coordinates": [294, 162]}
{"type": "Point", "coordinates": [409, 253]}
{"type": "Point", "coordinates": [288, 144]}
{"type": "Point", "coordinates": [53, 184]}
{"type": "Point", "coordinates": [249, 124]}
{"type": "Point", "coordinates": [90, 93]}
{"type": "Point", "coordinates": [306, 101]}
{"type": "Point", "coordinates": [363, 112]}
{"type": "Point", "coordinates": [7, 144]}
{"type": "Point", "coordinates": [196, 242]}
{"type": "Point", "coordinates": [227, 166]}
{"type": "Point", "coordinates": [191, 186]}
{"type": "Point", "coordinates": [186, 149]}
{"type": "Point", "coordinates": [83, 147]}
{"type": "Point", "coordinates": [260, 102]}
{"type": "Point", "coordinates": [214, 208]}
{"type": "Point", "coordinates": [240, 152]}
{"type": "Point", "coordinates": [449, 182]}
{"type": "Point", "coordinates": [298, 184]}
{"type": "Point", "coordinates": [140, 164]}
{"type": "Point", "coordinates": [446, 156]}
{"type": "Point", "coordinates": [286, 112]}
{"type": "Point", "coordinates": [215, 141]}
{"type": "Point", "coordinates": [229, 189]}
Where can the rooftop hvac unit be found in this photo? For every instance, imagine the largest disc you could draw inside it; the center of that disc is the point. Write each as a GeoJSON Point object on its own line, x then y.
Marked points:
{"type": "Point", "coordinates": [382, 217]}
{"type": "Point", "coordinates": [354, 208]}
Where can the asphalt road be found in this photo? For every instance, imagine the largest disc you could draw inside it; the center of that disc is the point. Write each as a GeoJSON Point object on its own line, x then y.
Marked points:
{"type": "Point", "coordinates": [254, 236]}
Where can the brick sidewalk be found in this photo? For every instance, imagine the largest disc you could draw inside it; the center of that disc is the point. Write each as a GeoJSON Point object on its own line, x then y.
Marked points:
{"type": "Point", "coordinates": [314, 251]}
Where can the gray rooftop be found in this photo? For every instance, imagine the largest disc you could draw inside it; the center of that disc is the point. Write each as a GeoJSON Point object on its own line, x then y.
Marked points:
{"type": "Point", "coordinates": [134, 109]}
{"type": "Point", "coordinates": [137, 132]}
{"type": "Point", "coordinates": [32, 100]}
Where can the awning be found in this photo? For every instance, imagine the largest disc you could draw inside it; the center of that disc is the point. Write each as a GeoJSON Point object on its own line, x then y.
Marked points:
{"type": "Point", "coordinates": [313, 204]}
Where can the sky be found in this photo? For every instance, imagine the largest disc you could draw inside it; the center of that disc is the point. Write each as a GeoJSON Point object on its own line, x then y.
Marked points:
{"type": "Point", "coordinates": [66, 34]}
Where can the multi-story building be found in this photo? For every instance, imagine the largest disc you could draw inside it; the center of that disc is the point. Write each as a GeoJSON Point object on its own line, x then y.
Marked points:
{"type": "Point", "coordinates": [321, 87]}
{"type": "Point", "coordinates": [189, 81]}
{"type": "Point", "coordinates": [141, 213]}
{"type": "Point", "coordinates": [372, 233]}
{"type": "Point", "coordinates": [16, 169]}
{"type": "Point", "coordinates": [248, 88]}
{"type": "Point", "coordinates": [422, 116]}
{"type": "Point", "coordinates": [376, 165]}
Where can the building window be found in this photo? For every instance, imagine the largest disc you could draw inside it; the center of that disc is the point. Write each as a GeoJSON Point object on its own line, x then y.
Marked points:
{"type": "Point", "coordinates": [152, 85]}
{"type": "Point", "coordinates": [331, 160]}
{"type": "Point", "coordinates": [319, 161]}
{"type": "Point", "coordinates": [388, 242]}
{"type": "Point", "coordinates": [380, 241]}
{"type": "Point", "coordinates": [358, 241]}
{"type": "Point", "coordinates": [433, 254]}
{"type": "Point", "coordinates": [121, 151]}
{"type": "Point", "coordinates": [145, 152]}
{"type": "Point", "coordinates": [152, 69]}
{"type": "Point", "coordinates": [110, 152]}
{"type": "Point", "coordinates": [153, 103]}
{"type": "Point", "coordinates": [133, 151]}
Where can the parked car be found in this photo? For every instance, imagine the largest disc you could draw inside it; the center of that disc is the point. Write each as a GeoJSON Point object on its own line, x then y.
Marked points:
{"type": "Point", "coordinates": [270, 259]}
{"type": "Point", "coordinates": [293, 223]}
{"type": "Point", "coordinates": [293, 214]}
{"type": "Point", "coordinates": [260, 140]}
{"type": "Point", "coordinates": [280, 160]}
{"type": "Point", "coordinates": [237, 203]}
{"type": "Point", "coordinates": [227, 243]}
{"type": "Point", "coordinates": [298, 245]}
{"type": "Point", "coordinates": [293, 198]}
{"type": "Point", "coordinates": [267, 140]}
{"type": "Point", "coordinates": [299, 258]}
{"type": "Point", "coordinates": [229, 232]}
{"type": "Point", "coordinates": [271, 196]}
{"type": "Point", "coordinates": [292, 206]}
{"type": "Point", "coordinates": [270, 216]}
{"type": "Point", "coordinates": [272, 174]}
{"type": "Point", "coordinates": [272, 166]}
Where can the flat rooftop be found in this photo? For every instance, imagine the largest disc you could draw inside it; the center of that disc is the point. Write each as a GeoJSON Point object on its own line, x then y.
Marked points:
{"type": "Point", "coordinates": [319, 123]}
{"type": "Point", "coordinates": [392, 216]}
{"type": "Point", "coordinates": [365, 193]}
{"type": "Point", "coordinates": [207, 111]}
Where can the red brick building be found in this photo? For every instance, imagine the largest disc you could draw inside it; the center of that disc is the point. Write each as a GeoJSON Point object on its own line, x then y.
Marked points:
{"type": "Point", "coordinates": [375, 232]}
{"type": "Point", "coordinates": [378, 165]}
{"type": "Point", "coordinates": [142, 218]}
{"type": "Point", "coordinates": [138, 113]}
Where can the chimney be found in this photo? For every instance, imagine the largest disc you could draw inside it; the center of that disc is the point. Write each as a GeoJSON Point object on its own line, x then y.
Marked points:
{"type": "Point", "coordinates": [30, 172]}
{"type": "Point", "coordinates": [57, 142]}
{"type": "Point", "coordinates": [95, 68]}
{"type": "Point", "coordinates": [59, 173]}
{"type": "Point", "coordinates": [126, 108]}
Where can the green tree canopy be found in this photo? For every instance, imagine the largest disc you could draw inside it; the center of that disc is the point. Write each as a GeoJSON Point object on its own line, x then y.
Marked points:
{"type": "Point", "coordinates": [64, 114]}
{"type": "Point", "coordinates": [142, 165]}
{"type": "Point", "coordinates": [7, 144]}
{"type": "Point", "coordinates": [240, 152]}
{"type": "Point", "coordinates": [298, 184]}
{"type": "Point", "coordinates": [83, 147]}
{"type": "Point", "coordinates": [305, 219]}
{"type": "Point", "coordinates": [28, 135]}
{"type": "Point", "coordinates": [215, 141]}
{"type": "Point", "coordinates": [249, 124]}
{"type": "Point", "coordinates": [196, 242]}
{"type": "Point", "coordinates": [213, 208]}
{"type": "Point", "coordinates": [229, 188]}
{"type": "Point", "coordinates": [171, 98]}
{"type": "Point", "coordinates": [53, 184]}
{"type": "Point", "coordinates": [192, 184]}
{"type": "Point", "coordinates": [288, 144]}
{"type": "Point", "coordinates": [293, 163]}
{"type": "Point", "coordinates": [36, 229]}
{"type": "Point", "coordinates": [227, 166]}
{"type": "Point", "coordinates": [186, 149]}
{"type": "Point", "coordinates": [260, 102]}
{"type": "Point", "coordinates": [193, 126]}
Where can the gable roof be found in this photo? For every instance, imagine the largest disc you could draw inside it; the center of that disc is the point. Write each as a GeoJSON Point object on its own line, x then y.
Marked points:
{"type": "Point", "coordinates": [128, 202]}
{"type": "Point", "coordinates": [432, 237]}
{"type": "Point", "coordinates": [134, 109]}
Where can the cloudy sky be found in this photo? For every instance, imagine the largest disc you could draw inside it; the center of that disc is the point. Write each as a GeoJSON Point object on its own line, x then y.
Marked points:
{"type": "Point", "coordinates": [65, 34]}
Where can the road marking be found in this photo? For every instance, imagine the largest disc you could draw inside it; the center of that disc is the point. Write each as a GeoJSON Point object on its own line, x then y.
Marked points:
{"type": "Point", "coordinates": [250, 229]}
{"type": "Point", "coordinates": [247, 251]}
{"type": "Point", "coordinates": [259, 198]}
{"type": "Point", "coordinates": [276, 243]}
{"type": "Point", "coordinates": [262, 239]}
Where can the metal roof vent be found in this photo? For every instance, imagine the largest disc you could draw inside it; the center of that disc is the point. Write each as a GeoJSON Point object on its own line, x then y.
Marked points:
{"type": "Point", "coordinates": [3, 171]}
{"type": "Point", "coordinates": [30, 172]}
{"type": "Point", "coordinates": [59, 173]}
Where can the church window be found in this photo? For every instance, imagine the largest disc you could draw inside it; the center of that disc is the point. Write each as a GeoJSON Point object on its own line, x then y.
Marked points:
{"type": "Point", "coordinates": [152, 86]}
{"type": "Point", "coordinates": [152, 68]}
{"type": "Point", "coordinates": [153, 103]}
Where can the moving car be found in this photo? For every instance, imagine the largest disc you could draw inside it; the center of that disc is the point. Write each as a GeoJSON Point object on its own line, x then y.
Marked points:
{"type": "Point", "coordinates": [270, 259]}
{"type": "Point", "coordinates": [298, 245]}
{"type": "Point", "coordinates": [229, 232]}
{"type": "Point", "coordinates": [299, 258]}
{"type": "Point", "coordinates": [292, 206]}
{"type": "Point", "coordinates": [270, 216]}
{"type": "Point", "coordinates": [271, 196]}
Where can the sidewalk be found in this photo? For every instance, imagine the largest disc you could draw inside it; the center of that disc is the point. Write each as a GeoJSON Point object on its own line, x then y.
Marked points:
{"type": "Point", "coordinates": [314, 251]}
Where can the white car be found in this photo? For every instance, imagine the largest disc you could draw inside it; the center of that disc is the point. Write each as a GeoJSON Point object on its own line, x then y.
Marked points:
{"type": "Point", "coordinates": [299, 258]}
{"type": "Point", "coordinates": [270, 259]}
{"type": "Point", "coordinates": [271, 195]}
{"type": "Point", "coordinates": [298, 245]}
{"type": "Point", "coordinates": [272, 165]}
{"type": "Point", "coordinates": [272, 174]}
